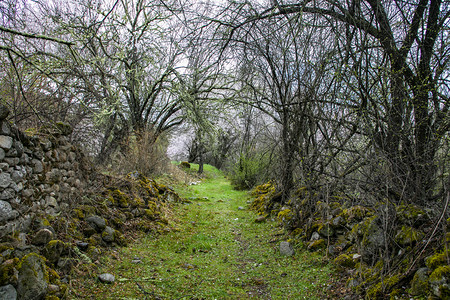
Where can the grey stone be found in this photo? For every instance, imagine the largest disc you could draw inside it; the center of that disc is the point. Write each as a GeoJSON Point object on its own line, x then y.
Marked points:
{"type": "Point", "coordinates": [17, 187]}
{"type": "Point", "coordinates": [6, 211]}
{"type": "Point", "coordinates": [108, 234]}
{"type": "Point", "coordinates": [5, 128]}
{"type": "Point", "coordinates": [8, 193]}
{"type": "Point", "coordinates": [315, 236]}
{"type": "Point", "coordinates": [96, 222]}
{"type": "Point", "coordinates": [338, 221]}
{"type": "Point", "coordinates": [6, 142]}
{"type": "Point", "coordinates": [8, 292]}
{"type": "Point", "coordinates": [17, 176]}
{"type": "Point", "coordinates": [42, 237]}
{"type": "Point", "coordinates": [4, 166]}
{"type": "Point", "coordinates": [106, 278]}
{"type": "Point", "coordinates": [4, 112]}
{"type": "Point", "coordinates": [19, 148]}
{"type": "Point", "coordinates": [2, 154]}
{"type": "Point", "coordinates": [286, 249]}
{"type": "Point", "coordinates": [12, 153]}
{"type": "Point", "coordinates": [51, 201]}
{"type": "Point", "coordinates": [5, 180]}
{"type": "Point", "coordinates": [32, 278]}
{"type": "Point", "coordinates": [37, 166]}
{"type": "Point", "coordinates": [12, 161]}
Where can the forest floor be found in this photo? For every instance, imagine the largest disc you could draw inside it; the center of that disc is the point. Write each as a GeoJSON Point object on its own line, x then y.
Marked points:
{"type": "Point", "coordinates": [216, 250]}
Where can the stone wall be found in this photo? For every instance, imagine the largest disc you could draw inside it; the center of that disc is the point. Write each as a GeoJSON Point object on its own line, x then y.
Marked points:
{"type": "Point", "coordinates": [39, 173]}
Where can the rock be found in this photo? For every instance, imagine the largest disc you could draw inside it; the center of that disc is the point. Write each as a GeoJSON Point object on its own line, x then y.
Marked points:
{"type": "Point", "coordinates": [344, 261]}
{"type": "Point", "coordinates": [419, 284]}
{"type": "Point", "coordinates": [108, 234]}
{"type": "Point", "coordinates": [314, 236]}
{"type": "Point", "coordinates": [316, 245]}
{"type": "Point", "coordinates": [96, 222]}
{"type": "Point", "coordinates": [33, 278]}
{"type": "Point", "coordinates": [6, 142]}
{"type": "Point", "coordinates": [42, 237]}
{"type": "Point", "coordinates": [5, 180]}
{"type": "Point", "coordinates": [54, 249]}
{"type": "Point", "coordinates": [8, 271]}
{"type": "Point", "coordinates": [260, 219]}
{"type": "Point", "coordinates": [326, 230]}
{"type": "Point", "coordinates": [4, 112]}
{"type": "Point", "coordinates": [8, 292]}
{"type": "Point", "coordinates": [82, 245]}
{"type": "Point", "coordinates": [2, 154]}
{"type": "Point", "coordinates": [6, 211]}
{"type": "Point", "coordinates": [106, 278]}
{"type": "Point", "coordinates": [18, 146]}
{"type": "Point", "coordinates": [286, 249]}
{"type": "Point", "coordinates": [356, 256]}
{"type": "Point", "coordinates": [37, 166]}
{"type": "Point", "coordinates": [5, 128]}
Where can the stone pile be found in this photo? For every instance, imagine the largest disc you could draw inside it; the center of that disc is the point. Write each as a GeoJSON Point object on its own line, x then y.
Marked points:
{"type": "Point", "coordinates": [39, 173]}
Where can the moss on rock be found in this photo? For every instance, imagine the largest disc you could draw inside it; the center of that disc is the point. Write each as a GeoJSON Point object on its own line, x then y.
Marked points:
{"type": "Point", "coordinates": [345, 261]}
{"type": "Point", "coordinates": [408, 236]}
{"type": "Point", "coordinates": [437, 260]}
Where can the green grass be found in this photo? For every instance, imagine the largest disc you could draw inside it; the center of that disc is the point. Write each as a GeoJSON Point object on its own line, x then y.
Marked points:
{"type": "Point", "coordinates": [217, 252]}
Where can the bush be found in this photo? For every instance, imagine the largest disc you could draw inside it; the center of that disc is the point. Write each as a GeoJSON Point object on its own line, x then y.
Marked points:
{"type": "Point", "coordinates": [249, 171]}
{"type": "Point", "coordinates": [144, 153]}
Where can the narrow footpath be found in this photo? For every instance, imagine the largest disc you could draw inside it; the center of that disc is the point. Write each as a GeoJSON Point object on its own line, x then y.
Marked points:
{"type": "Point", "coordinates": [216, 251]}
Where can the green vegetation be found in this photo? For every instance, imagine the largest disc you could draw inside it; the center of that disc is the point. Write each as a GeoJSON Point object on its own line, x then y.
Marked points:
{"type": "Point", "coordinates": [216, 251]}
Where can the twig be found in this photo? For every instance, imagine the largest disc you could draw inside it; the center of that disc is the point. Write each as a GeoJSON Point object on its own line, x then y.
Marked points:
{"type": "Point", "coordinates": [432, 234]}
{"type": "Point", "coordinates": [148, 293]}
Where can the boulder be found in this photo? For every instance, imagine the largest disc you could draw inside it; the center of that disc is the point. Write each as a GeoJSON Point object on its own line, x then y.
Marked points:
{"type": "Point", "coordinates": [5, 180]}
{"type": "Point", "coordinates": [106, 278]}
{"type": "Point", "coordinates": [33, 278]}
{"type": "Point", "coordinates": [420, 284]}
{"type": "Point", "coordinates": [108, 234]}
{"type": "Point", "coordinates": [54, 249]}
{"type": "Point", "coordinates": [42, 237]}
{"type": "Point", "coordinates": [6, 211]}
{"type": "Point", "coordinates": [96, 222]}
{"type": "Point", "coordinates": [6, 142]}
{"type": "Point", "coordinates": [286, 249]}
{"type": "Point", "coordinates": [4, 112]}
{"type": "Point", "coordinates": [8, 292]}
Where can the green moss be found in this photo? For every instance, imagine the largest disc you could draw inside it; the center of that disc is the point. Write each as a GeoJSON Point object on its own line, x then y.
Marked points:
{"type": "Point", "coordinates": [438, 259]}
{"type": "Point", "coordinates": [121, 198]}
{"type": "Point", "coordinates": [440, 273]}
{"type": "Point", "coordinates": [345, 261]}
{"type": "Point", "coordinates": [53, 277]}
{"type": "Point", "coordinates": [316, 245]}
{"type": "Point", "coordinates": [8, 271]}
{"type": "Point", "coordinates": [355, 213]}
{"type": "Point", "coordinates": [284, 215]}
{"type": "Point", "coordinates": [420, 285]}
{"type": "Point", "coordinates": [409, 214]}
{"type": "Point", "coordinates": [51, 297]}
{"type": "Point", "coordinates": [381, 288]}
{"type": "Point", "coordinates": [78, 213]}
{"type": "Point", "coordinates": [87, 210]}
{"type": "Point", "coordinates": [408, 236]}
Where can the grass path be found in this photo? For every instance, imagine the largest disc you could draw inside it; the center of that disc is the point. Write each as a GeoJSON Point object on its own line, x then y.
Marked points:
{"type": "Point", "coordinates": [217, 252]}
